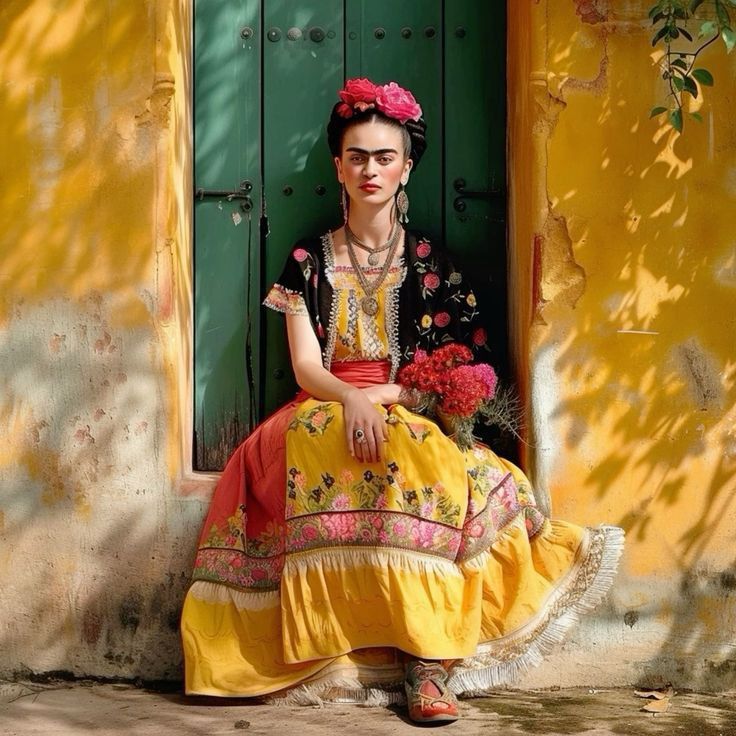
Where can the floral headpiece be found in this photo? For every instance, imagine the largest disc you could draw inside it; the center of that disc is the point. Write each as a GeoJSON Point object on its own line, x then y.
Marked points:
{"type": "Point", "coordinates": [360, 94]}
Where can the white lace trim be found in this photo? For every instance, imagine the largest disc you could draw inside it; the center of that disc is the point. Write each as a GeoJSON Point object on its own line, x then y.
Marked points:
{"type": "Point", "coordinates": [204, 590]}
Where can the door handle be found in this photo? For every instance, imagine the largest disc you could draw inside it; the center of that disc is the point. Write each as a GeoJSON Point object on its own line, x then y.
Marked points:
{"type": "Point", "coordinates": [463, 194]}
{"type": "Point", "coordinates": [243, 192]}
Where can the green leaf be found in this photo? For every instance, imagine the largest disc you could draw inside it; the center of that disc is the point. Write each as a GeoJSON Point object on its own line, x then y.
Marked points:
{"type": "Point", "coordinates": [729, 38]}
{"type": "Point", "coordinates": [657, 111]}
{"type": "Point", "coordinates": [696, 116]}
{"type": "Point", "coordinates": [703, 76]}
{"type": "Point", "coordinates": [695, 4]}
{"type": "Point", "coordinates": [685, 33]}
{"type": "Point", "coordinates": [724, 19]}
{"type": "Point", "coordinates": [661, 33]}
{"type": "Point", "coordinates": [709, 28]}
{"type": "Point", "coordinates": [679, 83]}
{"type": "Point", "coordinates": [691, 87]}
{"type": "Point", "coordinates": [675, 119]}
{"type": "Point", "coordinates": [680, 64]}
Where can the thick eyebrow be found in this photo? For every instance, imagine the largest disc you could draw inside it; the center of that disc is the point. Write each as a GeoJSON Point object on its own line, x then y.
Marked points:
{"type": "Point", "coordinates": [371, 153]}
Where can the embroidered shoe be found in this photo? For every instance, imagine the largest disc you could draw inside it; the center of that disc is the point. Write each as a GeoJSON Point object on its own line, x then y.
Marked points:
{"type": "Point", "coordinates": [428, 698]}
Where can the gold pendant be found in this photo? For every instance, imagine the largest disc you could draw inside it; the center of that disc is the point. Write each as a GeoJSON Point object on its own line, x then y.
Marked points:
{"type": "Point", "coordinates": [369, 304]}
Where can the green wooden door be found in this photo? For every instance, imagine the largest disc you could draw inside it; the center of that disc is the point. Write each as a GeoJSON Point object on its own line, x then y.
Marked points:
{"type": "Point", "coordinates": [266, 76]}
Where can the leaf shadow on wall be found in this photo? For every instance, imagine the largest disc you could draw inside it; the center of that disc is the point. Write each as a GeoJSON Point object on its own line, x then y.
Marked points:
{"type": "Point", "coordinates": [97, 549]}
{"type": "Point", "coordinates": [635, 317]}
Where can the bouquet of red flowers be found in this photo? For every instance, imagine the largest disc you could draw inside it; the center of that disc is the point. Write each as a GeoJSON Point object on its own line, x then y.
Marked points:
{"type": "Point", "coordinates": [459, 393]}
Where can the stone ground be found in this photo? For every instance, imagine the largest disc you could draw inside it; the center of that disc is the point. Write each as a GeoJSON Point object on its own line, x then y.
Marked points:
{"type": "Point", "coordinates": [72, 708]}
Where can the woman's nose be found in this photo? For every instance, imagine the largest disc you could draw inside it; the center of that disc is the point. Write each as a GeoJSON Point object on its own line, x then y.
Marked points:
{"type": "Point", "coordinates": [369, 168]}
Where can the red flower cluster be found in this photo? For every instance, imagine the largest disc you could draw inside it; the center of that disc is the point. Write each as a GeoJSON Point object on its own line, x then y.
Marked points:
{"type": "Point", "coordinates": [393, 101]}
{"type": "Point", "coordinates": [456, 387]}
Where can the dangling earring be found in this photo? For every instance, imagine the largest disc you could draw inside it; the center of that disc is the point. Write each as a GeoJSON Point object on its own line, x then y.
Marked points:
{"type": "Point", "coordinates": [402, 204]}
{"type": "Point", "coordinates": [344, 203]}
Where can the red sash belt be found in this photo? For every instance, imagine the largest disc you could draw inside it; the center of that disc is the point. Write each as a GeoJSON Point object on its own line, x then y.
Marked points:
{"type": "Point", "coordinates": [360, 373]}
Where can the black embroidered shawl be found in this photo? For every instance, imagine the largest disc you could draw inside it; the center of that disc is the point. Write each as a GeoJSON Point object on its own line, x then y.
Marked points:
{"type": "Point", "coordinates": [435, 302]}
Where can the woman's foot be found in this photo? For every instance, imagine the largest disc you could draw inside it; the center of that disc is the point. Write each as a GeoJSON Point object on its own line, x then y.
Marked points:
{"type": "Point", "coordinates": [428, 698]}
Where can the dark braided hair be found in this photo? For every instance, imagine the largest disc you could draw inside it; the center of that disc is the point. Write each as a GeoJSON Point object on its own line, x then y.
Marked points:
{"type": "Point", "coordinates": [413, 131]}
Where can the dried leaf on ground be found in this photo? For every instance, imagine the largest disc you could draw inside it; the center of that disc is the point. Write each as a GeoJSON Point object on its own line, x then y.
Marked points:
{"type": "Point", "coordinates": [657, 706]}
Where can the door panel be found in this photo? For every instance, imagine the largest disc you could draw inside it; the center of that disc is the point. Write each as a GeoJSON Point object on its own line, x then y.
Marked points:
{"type": "Point", "coordinates": [261, 108]}
{"type": "Point", "coordinates": [402, 42]}
{"type": "Point", "coordinates": [303, 70]}
{"type": "Point", "coordinates": [226, 238]}
{"type": "Point", "coordinates": [475, 153]}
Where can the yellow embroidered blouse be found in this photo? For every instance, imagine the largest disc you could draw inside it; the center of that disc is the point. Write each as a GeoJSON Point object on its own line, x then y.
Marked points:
{"type": "Point", "coordinates": [354, 335]}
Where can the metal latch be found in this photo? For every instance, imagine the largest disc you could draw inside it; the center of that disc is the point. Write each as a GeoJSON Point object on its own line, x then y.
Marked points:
{"type": "Point", "coordinates": [460, 204]}
{"type": "Point", "coordinates": [243, 192]}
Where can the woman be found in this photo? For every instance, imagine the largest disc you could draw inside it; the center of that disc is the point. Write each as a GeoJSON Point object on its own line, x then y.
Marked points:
{"type": "Point", "coordinates": [352, 549]}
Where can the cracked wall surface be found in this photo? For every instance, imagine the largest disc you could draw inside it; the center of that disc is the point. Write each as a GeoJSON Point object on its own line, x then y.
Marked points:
{"type": "Point", "coordinates": [97, 520]}
{"type": "Point", "coordinates": [625, 332]}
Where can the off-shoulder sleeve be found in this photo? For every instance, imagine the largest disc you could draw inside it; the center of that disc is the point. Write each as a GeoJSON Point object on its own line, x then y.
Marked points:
{"type": "Point", "coordinates": [288, 294]}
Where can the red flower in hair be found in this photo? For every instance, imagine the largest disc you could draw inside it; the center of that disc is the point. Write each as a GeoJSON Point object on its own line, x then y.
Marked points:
{"type": "Point", "coordinates": [344, 110]}
{"type": "Point", "coordinates": [393, 101]}
{"type": "Point", "coordinates": [358, 90]}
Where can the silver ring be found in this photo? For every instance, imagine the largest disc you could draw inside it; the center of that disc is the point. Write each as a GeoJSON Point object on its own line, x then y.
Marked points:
{"type": "Point", "coordinates": [359, 435]}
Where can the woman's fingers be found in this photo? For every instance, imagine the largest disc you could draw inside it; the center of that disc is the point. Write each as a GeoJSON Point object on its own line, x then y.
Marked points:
{"type": "Point", "coordinates": [365, 433]}
{"type": "Point", "coordinates": [350, 438]}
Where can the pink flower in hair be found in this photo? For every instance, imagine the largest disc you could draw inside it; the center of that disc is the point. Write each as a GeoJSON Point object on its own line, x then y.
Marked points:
{"type": "Point", "coordinates": [357, 90]}
{"type": "Point", "coordinates": [397, 102]}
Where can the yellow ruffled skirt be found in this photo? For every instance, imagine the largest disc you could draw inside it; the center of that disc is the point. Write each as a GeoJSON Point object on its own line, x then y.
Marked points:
{"type": "Point", "coordinates": [317, 574]}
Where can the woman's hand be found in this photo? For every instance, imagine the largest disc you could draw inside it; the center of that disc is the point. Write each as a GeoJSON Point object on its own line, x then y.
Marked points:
{"type": "Point", "coordinates": [383, 393]}
{"type": "Point", "coordinates": [359, 413]}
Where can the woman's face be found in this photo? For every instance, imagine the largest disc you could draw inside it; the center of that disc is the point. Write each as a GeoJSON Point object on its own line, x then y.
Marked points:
{"type": "Point", "coordinates": [372, 164]}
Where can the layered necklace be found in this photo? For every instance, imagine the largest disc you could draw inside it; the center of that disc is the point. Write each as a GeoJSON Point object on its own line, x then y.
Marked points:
{"type": "Point", "coordinates": [369, 303]}
{"type": "Point", "coordinates": [373, 259]}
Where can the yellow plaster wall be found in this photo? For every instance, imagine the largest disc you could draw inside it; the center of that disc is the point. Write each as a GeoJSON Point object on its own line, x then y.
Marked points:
{"type": "Point", "coordinates": [95, 301]}
{"type": "Point", "coordinates": [624, 273]}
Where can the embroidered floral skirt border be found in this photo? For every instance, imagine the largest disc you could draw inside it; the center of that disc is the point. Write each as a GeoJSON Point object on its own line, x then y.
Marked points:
{"type": "Point", "coordinates": [315, 573]}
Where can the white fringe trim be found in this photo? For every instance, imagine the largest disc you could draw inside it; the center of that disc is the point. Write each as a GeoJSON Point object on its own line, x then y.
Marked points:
{"type": "Point", "coordinates": [476, 675]}
{"type": "Point", "coordinates": [204, 590]}
{"type": "Point", "coordinates": [340, 690]}
{"type": "Point", "coordinates": [350, 557]}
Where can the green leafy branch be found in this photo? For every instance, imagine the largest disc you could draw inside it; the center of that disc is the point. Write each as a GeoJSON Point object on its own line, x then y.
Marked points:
{"type": "Point", "coordinates": [678, 67]}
